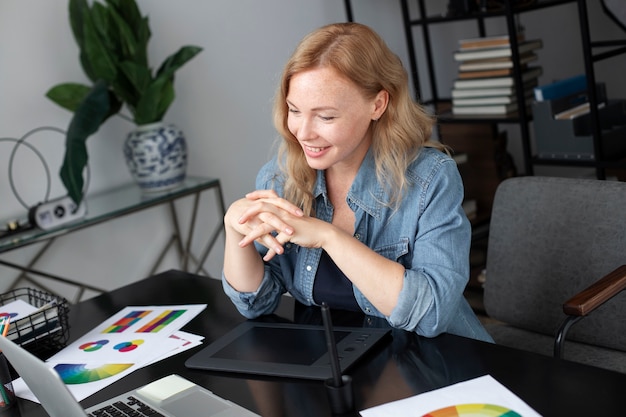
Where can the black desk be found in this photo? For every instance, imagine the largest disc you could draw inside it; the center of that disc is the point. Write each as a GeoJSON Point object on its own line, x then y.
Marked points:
{"type": "Point", "coordinates": [404, 365]}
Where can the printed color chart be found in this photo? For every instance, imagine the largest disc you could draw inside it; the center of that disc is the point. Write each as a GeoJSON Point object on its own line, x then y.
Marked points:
{"type": "Point", "coordinates": [93, 346]}
{"type": "Point", "coordinates": [81, 374]}
{"type": "Point", "coordinates": [126, 321]}
{"type": "Point", "coordinates": [473, 410]}
{"type": "Point", "coordinates": [161, 321]}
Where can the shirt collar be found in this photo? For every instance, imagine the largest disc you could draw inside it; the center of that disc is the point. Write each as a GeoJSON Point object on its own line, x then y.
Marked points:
{"type": "Point", "coordinates": [366, 192]}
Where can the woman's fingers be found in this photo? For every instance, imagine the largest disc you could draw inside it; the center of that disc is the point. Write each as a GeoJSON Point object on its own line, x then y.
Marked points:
{"type": "Point", "coordinates": [266, 220]}
{"type": "Point", "coordinates": [274, 243]}
{"type": "Point", "coordinates": [265, 224]}
{"type": "Point", "coordinates": [270, 197]}
{"type": "Point", "coordinates": [276, 246]}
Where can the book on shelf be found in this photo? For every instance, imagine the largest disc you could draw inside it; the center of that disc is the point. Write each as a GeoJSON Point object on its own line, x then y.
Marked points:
{"type": "Point", "coordinates": [492, 109]}
{"type": "Point", "coordinates": [495, 63]}
{"type": "Point", "coordinates": [573, 112]}
{"type": "Point", "coordinates": [571, 101]}
{"type": "Point", "coordinates": [484, 101]}
{"type": "Point", "coordinates": [490, 91]}
{"type": "Point", "coordinates": [561, 88]}
{"type": "Point", "coordinates": [531, 73]}
{"type": "Point", "coordinates": [612, 114]}
{"type": "Point", "coordinates": [487, 42]}
{"type": "Point", "coordinates": [498, 52]}
{"type": "Point", "coordinates": [501, 72]}
{"type": "Point", "coordinates": [576, 111]}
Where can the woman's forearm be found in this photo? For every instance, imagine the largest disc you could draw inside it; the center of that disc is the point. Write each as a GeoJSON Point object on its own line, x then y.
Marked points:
{"type": "Point", "coordinates": [243, 266]}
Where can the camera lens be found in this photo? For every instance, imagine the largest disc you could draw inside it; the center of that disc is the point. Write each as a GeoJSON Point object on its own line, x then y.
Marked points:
{"type": "Point", "coordinates": [59, 211]}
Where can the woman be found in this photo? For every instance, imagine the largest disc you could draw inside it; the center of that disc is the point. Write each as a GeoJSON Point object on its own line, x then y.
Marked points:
{"type": "Point", "coordinates": [359, 209]}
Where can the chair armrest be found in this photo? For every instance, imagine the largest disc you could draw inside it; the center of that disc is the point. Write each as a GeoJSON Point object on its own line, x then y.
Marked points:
{"type": "Point", "coordinates": [596, 294]}
{"type": "Point", "coordinates": [586, 301]}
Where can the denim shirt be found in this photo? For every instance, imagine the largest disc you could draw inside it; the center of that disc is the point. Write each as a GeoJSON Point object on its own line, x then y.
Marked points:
{"type": "Point", "coordinates": [428, 234]}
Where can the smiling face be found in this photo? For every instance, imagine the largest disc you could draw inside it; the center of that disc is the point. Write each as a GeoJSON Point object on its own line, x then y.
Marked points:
{"type": "Point", "coordinates": [330, 118]}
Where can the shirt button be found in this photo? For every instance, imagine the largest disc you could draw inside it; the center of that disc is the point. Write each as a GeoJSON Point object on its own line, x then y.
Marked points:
{"type": "Point", "coordinates": [357, 236]}
{"type": "Point", "coordinates": [309, 268]}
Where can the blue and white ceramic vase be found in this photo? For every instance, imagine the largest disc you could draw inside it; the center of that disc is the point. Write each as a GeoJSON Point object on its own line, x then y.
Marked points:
{"type": "Point", "coordinates": [156, 155]}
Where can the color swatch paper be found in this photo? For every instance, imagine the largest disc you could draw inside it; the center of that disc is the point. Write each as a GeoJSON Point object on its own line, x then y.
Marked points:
{"type": "Point", "coordinates": [479, 397]}
{"type": "Point", "coordinates": [133, 338]}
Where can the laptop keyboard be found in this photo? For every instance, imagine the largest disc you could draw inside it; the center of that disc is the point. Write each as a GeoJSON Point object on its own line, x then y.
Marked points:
{"type": "Point", "coordinates": [131, 406]}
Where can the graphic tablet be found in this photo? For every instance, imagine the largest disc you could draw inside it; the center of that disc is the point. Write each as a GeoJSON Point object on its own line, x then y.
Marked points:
{"type": "Point", "coordinates": [284, 350]}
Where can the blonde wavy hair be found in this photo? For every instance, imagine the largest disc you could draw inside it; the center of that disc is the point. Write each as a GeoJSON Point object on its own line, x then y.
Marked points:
{"type": "Point", "coordinates": [359, 54]}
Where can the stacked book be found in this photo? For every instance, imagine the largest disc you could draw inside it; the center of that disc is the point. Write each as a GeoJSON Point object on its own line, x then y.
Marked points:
{"type": "Point", "coordinates": [486, 83]}
{"type": "Point", "coordinates": [569, 97]}
{"type": "Point", "coordinates": [563, 123]}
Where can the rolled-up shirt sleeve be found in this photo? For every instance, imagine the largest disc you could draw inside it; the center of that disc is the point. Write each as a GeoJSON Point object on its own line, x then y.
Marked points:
{"type": "Point", "coordinates": [254, 304]}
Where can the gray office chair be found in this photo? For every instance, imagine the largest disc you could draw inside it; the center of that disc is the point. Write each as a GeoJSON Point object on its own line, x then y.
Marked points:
{"type": "Point", "coordinates": [550, 241]}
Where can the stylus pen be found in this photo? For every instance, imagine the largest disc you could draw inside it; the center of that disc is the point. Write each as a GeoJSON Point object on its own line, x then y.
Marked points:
{"type": "Point", "coordinates": [332, 347]}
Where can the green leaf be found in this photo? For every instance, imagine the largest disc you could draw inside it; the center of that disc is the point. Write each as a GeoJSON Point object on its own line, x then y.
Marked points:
{"type": "Point", "coordinates": [79, 12]}
{"type": "Point", "coordinates": [167, 98]}
{"type": "Point", "coordinates": [138, 75]}
{"type": "Point", "coordinates": [177, 60]}
{"type": "Point", "coordinates": [129, 12]}
{"type": "Point", "coordinates": [77, 9]}
{"type": "Point", "coordinates": [100, 20]}
{"type": "Point", "coordinates": [155, 101]}
{"type": "Point", "coordinates": [68, 95]}
{"type": "Point", "coordinates": [142, 33]}
{"type": "Point", "coordinates": [123, 37]}
{"type": "Point", "coordinates": [89, 115]}
{"type": "Point", "coordinates": [101, 60]}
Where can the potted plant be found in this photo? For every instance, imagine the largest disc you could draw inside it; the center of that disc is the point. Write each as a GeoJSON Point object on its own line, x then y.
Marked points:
{"type": "Point", "coordinates": [113, 38]}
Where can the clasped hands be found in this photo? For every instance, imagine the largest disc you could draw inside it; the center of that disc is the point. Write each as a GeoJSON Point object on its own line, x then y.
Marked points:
{"type": "Point", "coordinates": [272, 221]}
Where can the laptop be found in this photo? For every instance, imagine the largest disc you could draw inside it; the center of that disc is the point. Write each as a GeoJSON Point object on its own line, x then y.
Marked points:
{"type": "Point", "coordinates": [171, 396]}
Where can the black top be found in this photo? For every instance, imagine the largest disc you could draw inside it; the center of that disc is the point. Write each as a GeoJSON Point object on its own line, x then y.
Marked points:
{"type": "Point", "coordinates": [333, 287]}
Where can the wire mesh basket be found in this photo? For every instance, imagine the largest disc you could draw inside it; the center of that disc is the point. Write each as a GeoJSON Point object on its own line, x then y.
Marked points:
{"type": "Point", "coordinates": [45, 329]}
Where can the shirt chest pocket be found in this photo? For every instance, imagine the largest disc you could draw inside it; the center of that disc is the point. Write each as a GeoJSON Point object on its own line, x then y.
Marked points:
{"type": "Point", "coordinates": [395, 251]}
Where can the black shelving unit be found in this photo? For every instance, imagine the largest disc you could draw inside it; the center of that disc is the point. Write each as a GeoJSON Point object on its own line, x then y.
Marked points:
{"type": "Point", "coordinates": [523, 116]}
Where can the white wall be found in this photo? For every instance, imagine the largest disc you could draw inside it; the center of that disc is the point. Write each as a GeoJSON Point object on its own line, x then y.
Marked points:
{"type": "Point", "coordinates": [223, 104]}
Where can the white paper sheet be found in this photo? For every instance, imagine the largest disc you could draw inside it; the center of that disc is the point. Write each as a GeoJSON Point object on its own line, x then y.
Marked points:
{"type": "Point", "coordinates": [468, 398]}
{"type": "Point", "coordinates": [16, 310]}
{"type": "Point", "coordinates": [131, 339]}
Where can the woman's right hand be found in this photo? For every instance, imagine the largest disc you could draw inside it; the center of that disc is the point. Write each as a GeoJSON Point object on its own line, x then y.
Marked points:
{"type": "Point", "coordinates": [260, 217]}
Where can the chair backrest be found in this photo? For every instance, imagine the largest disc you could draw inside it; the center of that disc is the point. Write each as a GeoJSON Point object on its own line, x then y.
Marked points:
{"type": "Point", "coordinates": [549, 238]}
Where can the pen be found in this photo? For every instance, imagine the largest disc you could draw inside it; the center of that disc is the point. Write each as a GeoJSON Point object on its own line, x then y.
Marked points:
{"type": "Point", "coordinates": [332, 347]}
{"type": "Point", "coordinates": [5, 324]}
{"type": "Point", "coordinates": [5, 330]}
{"type": "Point", "coordinates": [43, 307]}
{"type": "Point", "coordinates": [5, 396]}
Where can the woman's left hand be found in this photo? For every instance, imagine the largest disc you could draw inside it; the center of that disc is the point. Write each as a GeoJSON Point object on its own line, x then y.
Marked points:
{"type": "Point", "coordinates": [266, 220]}
{"type": "Point", "coordinates": [276, 215]}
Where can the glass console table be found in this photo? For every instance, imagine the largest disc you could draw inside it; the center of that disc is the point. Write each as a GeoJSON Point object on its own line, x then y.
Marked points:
{"type": "Point", "coordinates": [112, 204]}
